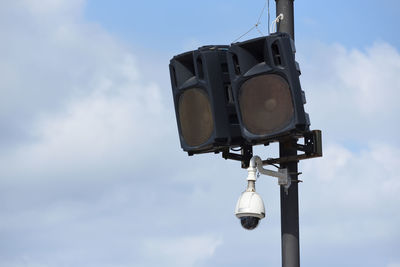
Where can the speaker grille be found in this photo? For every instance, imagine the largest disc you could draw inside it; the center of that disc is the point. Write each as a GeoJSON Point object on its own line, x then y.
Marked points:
{"type": "Point", "coordinates": [195, 116]}
{"type": "Point", "coordinates": [265, 104]}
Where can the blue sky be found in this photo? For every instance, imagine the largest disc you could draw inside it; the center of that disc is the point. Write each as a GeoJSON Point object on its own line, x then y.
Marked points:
{"type": "Point", "coordinates": [354, 23]}
{"type": "Point", "coordinates": [91, 171]}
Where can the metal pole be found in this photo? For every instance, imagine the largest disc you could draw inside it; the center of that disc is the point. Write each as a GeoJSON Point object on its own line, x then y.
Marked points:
{"type": "Point", "coordinates": [290, 209]}
{"type": "Point", "coordinates": [289, 199]}
{"type": "Point", "coordinates": [287, 24]}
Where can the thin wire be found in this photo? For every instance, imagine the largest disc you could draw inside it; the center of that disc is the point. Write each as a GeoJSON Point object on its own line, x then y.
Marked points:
{"type": "Point", "coordinates": [257, 23]}
{"type": "Point", "coordinates": [240, 37]}
{"type": "Point", "coordinates": [276, 166]}
{"type": "Point", "coordinates": [272, 164]}
{"type": "Point", "coordinates": [262, 11]}
{"type": "Point", "coordinates": [260, 31]}
{"type": "Point", "coordinates": [259, 18]}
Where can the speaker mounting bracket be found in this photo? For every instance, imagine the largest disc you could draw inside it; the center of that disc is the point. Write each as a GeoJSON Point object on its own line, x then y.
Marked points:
{"type": "Point", "coordinates": [312, 148]}
{"type": "Point", "coordinates": [246, 153]}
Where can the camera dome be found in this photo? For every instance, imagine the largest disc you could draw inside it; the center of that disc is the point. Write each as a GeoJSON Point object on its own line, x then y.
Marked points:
{"type": "Point", "coordinates": [249, 222]}
{"type": "Point", "coordinates": [250, 209]}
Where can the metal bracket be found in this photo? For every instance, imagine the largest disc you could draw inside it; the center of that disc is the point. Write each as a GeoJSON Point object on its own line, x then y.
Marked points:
{"type": "Point", "coordinates": [312, 148]}
{"type": "Point", "coordinates": [284, 178]}
{"type": "Point", "coordinates": [245, 155]}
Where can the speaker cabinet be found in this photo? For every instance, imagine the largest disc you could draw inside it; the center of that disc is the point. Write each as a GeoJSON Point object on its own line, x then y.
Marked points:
{"type": "Point", "coordinates": [203, 98]}
{"type": "Point", "coordinates": [266, 88]}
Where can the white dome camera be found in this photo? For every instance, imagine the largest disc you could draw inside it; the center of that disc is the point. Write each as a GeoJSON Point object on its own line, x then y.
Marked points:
{"type": "Point", "coordinates": [250, 209]}
{"type": "Point", "coordinates": [250, 206]}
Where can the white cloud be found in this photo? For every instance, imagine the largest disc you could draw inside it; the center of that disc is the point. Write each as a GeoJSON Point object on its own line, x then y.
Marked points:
{"type": "Point", "coordinates": [353, 194]}
{"type": "Point", "coordinates": [51, 7]}
{"type": "Point", "coordinates": [93, 130]}
{"type": "Point", "coordinates": [77, 99]}
{"type": "Point", "coordinates": [185, 251]}
{"type": "Point", "coordinates": [349, 197]}
{"type": "Point", "coordinates": [352, 97]}
{"type": "Point", "coordinates": [89, 170]}
{"type": "Point", "coordinates": [51, 67]}
{"type": "Point", "coordinates": [372, 78]}
{"type": "Point", "coordinates": [352, 92]}
{"type": "Point", "coordinates": [85, 118]}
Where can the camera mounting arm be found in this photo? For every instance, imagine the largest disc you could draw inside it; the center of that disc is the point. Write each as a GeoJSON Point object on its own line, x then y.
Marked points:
{"type": "Point", "coordinates": [257, 164]}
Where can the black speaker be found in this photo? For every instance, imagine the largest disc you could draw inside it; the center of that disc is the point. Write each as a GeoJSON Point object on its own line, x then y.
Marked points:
{"type": "Point", "coordinates": [266, 88]}
{"type": "Point", "coordinates": [204, 105]}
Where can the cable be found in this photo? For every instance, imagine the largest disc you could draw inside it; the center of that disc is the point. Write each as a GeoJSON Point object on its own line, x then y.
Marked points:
{"type": "Point", "coordinates": [259, 17]}
{"type": "Point", "coordinates": [262, 11]}
{"type": "Point", "coordinates": [257, 23]}
{"type": "Point", "coordinates": [276, 166]}
{"type": "Point", "coordinates": [240, 37]}
{"type": "Point", "coordinates": [275, 21]}
{"type": "Point", "coordinates": [259, 31]}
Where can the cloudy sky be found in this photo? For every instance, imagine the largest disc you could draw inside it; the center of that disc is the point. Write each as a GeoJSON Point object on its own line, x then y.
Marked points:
{"type": "Point", "coordinates": [91, 170]}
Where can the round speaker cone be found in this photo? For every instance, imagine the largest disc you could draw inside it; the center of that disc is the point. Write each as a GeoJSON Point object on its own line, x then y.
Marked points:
{"type": "Point", "coordinates": [265, 104]}
{"type": "Point", "coordinates": [195, 116]}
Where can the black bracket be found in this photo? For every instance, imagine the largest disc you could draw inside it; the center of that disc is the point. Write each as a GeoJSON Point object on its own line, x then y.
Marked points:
{"type": "Point", "coordinates": [312, 148]}
{"type": "Point", "coordinates": [246, 153]}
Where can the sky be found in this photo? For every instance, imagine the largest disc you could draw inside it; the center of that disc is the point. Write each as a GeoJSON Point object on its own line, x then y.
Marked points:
{"type": "Point", "coordinates": [91, 169]}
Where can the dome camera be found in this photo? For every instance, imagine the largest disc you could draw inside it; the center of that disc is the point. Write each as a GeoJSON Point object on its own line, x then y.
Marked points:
{"type": "Point", "coordinates": [250, 206]}
{"type": "Point", "coordinates": [250, 209]}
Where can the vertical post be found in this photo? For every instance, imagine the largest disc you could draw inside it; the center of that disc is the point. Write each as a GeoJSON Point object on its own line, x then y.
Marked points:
{"type": "Point", "coordinates": [287, 24]}
{"type": "Point", "coordinates": [289, 198]}
{"type": "Point", "coordinates": [290, 209]}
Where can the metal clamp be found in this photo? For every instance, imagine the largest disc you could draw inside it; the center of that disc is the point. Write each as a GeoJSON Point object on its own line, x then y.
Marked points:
{"type": "Point", "coordinates": [312, 148]}
{"type": "Point", "coordinates": [256, 163]}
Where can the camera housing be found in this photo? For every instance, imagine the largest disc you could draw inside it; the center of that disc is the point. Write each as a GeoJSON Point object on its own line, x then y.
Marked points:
{"type": "Point", "coordinates": [250, 208]}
